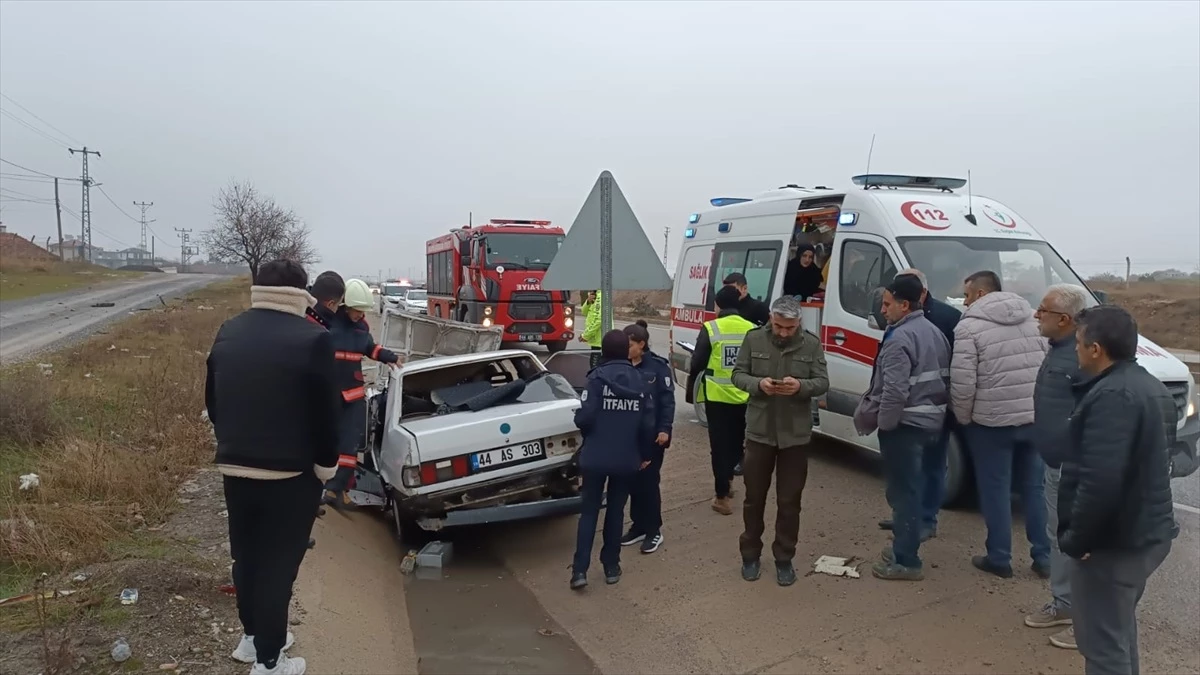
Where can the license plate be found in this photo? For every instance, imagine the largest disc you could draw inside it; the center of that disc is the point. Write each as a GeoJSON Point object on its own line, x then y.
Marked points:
{"type": "Point", "coordinates": [513, 454]}
{"type": "Point", "coordinates": [529, 337]}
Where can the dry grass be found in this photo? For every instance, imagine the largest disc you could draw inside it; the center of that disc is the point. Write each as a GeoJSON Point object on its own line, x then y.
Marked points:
{"type": "Point", "coordinates": [111, 432]}
{"type": "Point", "coordinates": [1167, 312]}
{"type": "Point", "coordinates": [24, 278]}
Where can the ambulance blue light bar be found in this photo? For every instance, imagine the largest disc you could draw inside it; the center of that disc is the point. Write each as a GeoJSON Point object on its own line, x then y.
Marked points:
{"type": "Point", "coordinates": [689, 233]}
{"type": "Point", "coordinates": [888, 180]}
{"type": "Point", "coordinates": [847, 218]}
{"type": "Point", "coordinates": [724, 228]}
{"type": "Point", "coordinates": [726, 201]}
{"type": "Point", "coordinates": [694, 218]}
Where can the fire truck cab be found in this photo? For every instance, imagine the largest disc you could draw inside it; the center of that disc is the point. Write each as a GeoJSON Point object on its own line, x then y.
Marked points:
{"type": "Point", "coordinates": [491, 274]}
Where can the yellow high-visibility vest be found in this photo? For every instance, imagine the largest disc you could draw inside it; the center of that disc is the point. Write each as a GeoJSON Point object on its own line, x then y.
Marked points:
{"type": "Point", "coordinates": [726, 335]}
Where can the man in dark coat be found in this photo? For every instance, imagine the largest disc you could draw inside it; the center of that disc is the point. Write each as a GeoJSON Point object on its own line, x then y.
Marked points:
{"type": "Point", "coordinates": [274, 448]}
{"type": "Point", "coordinates": [1116, 519]}
{"type": "Point", "coordinates": [1053, 402]}
{"type": "Point", "coordinates": [933, 464]}
{"type": "Point", "coordinates": [749, 307]}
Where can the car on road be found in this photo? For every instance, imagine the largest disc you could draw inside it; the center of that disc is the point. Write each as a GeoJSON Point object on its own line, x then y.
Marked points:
{"type": "Point", "coordinates": [391, 294]}
{"type": "Point", "coordinates": [468, 437]}
{"type": "Point", "coordinates": [415, 300]}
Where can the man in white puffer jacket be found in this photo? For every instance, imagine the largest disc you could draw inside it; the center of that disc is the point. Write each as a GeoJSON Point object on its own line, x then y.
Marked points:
{"type": "Point", "coordinates": [997, 353]}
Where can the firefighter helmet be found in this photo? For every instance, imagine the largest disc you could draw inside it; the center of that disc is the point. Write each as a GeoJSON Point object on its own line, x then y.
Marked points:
{"type": "Point", "coordinates": [358, 295]}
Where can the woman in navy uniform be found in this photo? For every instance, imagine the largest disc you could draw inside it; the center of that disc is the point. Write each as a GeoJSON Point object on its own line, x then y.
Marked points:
{"type": "Point", "coordinates": [645, 499]}
{"type": "Point", "coordinates": [617, 421]}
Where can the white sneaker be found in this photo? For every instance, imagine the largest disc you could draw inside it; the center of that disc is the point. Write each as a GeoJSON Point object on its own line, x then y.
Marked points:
{"type": "Point", "coordinates": [246, 653]}
{"type": "Point", "coordinates": [285, 666]}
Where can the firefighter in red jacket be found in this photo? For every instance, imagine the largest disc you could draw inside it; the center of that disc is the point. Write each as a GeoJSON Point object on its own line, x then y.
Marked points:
{"type": "Point", "coordinates": [352, 345]}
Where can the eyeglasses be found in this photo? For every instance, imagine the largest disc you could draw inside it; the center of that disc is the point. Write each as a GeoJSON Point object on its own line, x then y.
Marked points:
{"type": "Point", "coordinates": [1042, 310]}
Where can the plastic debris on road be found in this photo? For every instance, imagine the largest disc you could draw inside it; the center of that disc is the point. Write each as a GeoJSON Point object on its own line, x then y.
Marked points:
{"type": "Point", "coordinates": [837, 567]}
{"type": "Point", "coordinates": [29, 481]}
{"type": "Point", "coordinates": [129, 596]}
{"type": "Point", "coordinates": [409, 563]}
{"type": "Point", "coordinates": [121, 651]}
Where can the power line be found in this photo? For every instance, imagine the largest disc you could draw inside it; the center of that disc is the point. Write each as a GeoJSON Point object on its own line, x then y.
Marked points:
{"type": "Point", "coordinates": [32, 128]}
{"type": "Point", "coordinates": [34, 115]}
{"type": "Point", "coordinates": [110, 201]}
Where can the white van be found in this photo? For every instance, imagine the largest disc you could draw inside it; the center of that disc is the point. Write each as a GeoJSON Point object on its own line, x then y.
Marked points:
{"type": "Point", "coordinates": [865, 235]}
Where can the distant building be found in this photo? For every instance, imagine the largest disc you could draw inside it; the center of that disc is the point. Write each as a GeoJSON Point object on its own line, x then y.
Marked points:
{"type": "Point", "coordinates": [74, 248]}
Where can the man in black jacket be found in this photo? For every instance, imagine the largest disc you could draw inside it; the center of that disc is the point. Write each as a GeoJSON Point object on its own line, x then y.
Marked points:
{"type": "Point", "coordinates": [749, 307]}
{"type": "Point", "coordinates": [273, 402]}
{"type": "Point", "coordinates": [933, 461]}
{"type": "Point", "coordinates": [1053, 402]}
{"type": "Point", "coordinates": [1116, 519]}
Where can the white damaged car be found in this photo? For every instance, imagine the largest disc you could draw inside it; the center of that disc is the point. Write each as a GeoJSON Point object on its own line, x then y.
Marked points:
{"type": "Point", "coordinates": [457, 436]}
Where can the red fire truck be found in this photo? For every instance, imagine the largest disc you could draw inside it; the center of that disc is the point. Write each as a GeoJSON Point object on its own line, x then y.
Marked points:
{"type": "Point", "coordinates": [491, 274]}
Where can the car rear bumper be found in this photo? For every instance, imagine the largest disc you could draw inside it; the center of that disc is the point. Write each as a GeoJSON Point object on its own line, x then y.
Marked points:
{"type": "Point", "coordinates": [1187, 448]}
{"type": "Point", "coordinates": [527, 495]}
{"type": "Point", "coordinates": [503, 513]}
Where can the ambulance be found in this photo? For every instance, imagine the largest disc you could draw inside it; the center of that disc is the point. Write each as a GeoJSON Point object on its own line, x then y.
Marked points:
{"type": "Point", "coordinates": [862, 237]}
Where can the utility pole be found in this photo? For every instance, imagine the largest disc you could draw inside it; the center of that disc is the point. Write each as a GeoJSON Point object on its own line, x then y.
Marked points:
{"type": "Point", "coordinates": [185, 250]}
{"type": "Point", "coordinates": [85, 214]}
{"type": "Point", "coordinates": [143, 206]}
{"type": "Point", "coordinates": [666, 243]}
{"type": "Point", "coordinates": [58, 214]}
{"type": "Point", "coordinates": [152, 257]}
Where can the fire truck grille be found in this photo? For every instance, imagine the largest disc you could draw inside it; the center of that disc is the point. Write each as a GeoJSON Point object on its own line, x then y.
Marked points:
{"type": "Point", "coordinates": [530, 306]}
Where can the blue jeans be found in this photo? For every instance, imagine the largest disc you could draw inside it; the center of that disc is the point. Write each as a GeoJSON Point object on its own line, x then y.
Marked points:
{"type": "Point", "coordinates": [933, 468]}
{"type": "Point", "coordinates": [1004, 459]}
{"type": "Point", "coordinates": [903, 450]}
{"type": "Point", "coordinates": [614, 518]}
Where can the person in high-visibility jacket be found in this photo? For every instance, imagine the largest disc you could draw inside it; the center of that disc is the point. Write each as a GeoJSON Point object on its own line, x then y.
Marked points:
{"type": "Point", "coordinates": [351, 345]}
{"type": "Point", "coordinates": [716, 353]}
{"type": "Point", "coordinates": [593, 311]}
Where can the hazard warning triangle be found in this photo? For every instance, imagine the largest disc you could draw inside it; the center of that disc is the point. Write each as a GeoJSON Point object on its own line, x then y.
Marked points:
{"type": "Point", "coordinates": [635, 264]}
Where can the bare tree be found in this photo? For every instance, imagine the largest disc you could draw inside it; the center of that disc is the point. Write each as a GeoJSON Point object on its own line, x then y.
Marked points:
{"type": "Point", "coordinates": [251, 228]}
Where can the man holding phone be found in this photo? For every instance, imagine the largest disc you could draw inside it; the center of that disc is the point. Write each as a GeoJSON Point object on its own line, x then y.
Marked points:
{"type": "Point", "coordinates": [782, 368]}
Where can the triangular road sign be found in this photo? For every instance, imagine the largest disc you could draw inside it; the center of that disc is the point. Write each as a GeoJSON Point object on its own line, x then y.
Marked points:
{"type": "Point", "coordinates": [635, 264]}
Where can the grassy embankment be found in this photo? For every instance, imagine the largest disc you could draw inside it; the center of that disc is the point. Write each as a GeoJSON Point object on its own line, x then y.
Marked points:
{"type": "Point", "coordinates": [20, 279]}
{"type": "Point", "coordinates": [111, 427]}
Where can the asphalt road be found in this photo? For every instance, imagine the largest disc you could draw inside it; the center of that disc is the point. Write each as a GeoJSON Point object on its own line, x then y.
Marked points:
{"type": "Point", "coordinates": [32, 325]}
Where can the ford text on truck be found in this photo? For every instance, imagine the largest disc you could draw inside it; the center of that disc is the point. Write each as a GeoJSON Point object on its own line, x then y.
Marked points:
{"type": "Point", "coordinates": [866, 235]}
{"type": "Point", "coordinates": [491, 275]}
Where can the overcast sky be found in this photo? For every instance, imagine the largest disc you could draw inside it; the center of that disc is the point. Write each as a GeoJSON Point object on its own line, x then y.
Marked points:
{"type": "Point", "coordinates": [384, 124]}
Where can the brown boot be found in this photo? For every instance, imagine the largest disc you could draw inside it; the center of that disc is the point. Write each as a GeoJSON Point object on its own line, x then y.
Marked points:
{"type": "Point", "coordinates": [723, 505]}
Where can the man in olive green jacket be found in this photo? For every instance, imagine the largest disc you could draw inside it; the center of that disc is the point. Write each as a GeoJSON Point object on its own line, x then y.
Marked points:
{"type": "Point", "coordinates": [783, 368]}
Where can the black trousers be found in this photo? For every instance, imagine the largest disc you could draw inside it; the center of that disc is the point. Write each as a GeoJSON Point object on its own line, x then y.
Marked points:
{"type": "Point", "coordinates": [351, 436]}
{"type": "Point", "coordinates": [726, 438]}
{"type": "Point", "coordinates": [270, 522]}
{"type": "Point", "coordinates": [645, 497]}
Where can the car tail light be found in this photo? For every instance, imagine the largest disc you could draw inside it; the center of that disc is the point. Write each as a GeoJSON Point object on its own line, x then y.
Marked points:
{"type": "Point", "coordinates": [444, 469]}
{"type": "Point", "coordinates": [412, 476]}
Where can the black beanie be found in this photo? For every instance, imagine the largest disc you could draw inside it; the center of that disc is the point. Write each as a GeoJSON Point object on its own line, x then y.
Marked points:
{"type": "Point", "coordinates": [615, 345]}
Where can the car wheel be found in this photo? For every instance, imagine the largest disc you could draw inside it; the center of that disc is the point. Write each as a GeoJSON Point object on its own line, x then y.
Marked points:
{"type": "Point", "coordinates": [698, 406]}
{"type": "Point", "coordinates": [958, 471]}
